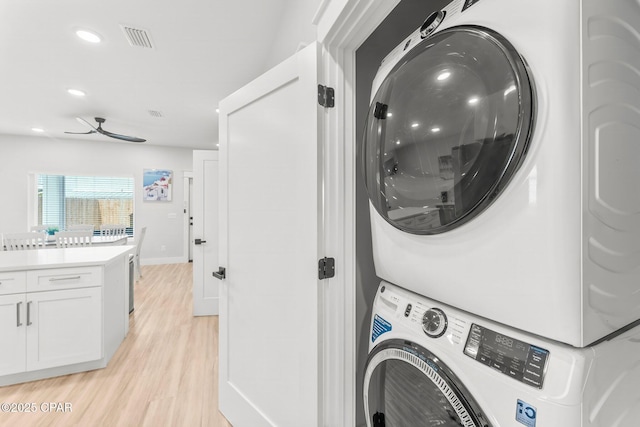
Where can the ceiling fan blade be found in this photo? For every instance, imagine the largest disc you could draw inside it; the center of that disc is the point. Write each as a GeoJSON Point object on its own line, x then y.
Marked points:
{"type": "Point", "coordinates": [81, 133]}
{"type": "Point", "coordinates": [122, 137]}
{"type": "Point", "coordinates": [86, 123]}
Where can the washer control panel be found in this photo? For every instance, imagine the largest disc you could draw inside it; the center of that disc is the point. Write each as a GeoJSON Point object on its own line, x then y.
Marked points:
{"type": "Point", "coordinates": [434, 322]}
{"type": "Point", "coordinates": [517, 359]}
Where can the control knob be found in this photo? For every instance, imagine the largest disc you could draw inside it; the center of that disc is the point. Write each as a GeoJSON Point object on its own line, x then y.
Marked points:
{"type": "Point", "coordinates": [434, 322]}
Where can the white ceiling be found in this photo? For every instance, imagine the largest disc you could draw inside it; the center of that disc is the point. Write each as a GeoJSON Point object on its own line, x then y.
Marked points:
{"type": "Point", "coordinates": [203, 51]}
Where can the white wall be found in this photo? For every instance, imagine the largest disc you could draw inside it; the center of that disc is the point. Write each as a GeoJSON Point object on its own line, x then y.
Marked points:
{"type": "Point", "coordinates": [296, 28]}
{"type": "Point", "coordinates": [21, 156]}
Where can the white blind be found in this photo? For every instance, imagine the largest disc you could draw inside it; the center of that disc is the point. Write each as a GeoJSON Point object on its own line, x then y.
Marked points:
{"type": "Point", "coordinates": [95, 200]}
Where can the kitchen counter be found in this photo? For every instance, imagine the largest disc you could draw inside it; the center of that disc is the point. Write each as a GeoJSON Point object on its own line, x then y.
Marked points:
{"type": "Point", "coordinates": [61, 310]}
{"type": "Point", "coordinates": [54, 258]}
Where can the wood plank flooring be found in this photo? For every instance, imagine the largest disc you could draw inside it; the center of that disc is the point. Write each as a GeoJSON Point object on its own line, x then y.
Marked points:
{"type": "Point", "coordinates": [165, 373]}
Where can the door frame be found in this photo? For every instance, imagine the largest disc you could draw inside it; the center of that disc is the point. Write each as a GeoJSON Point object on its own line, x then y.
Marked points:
{"type": "Point", "coordinates": [342, 26]}
{"type": "Point", "coordinates": [186, 217]}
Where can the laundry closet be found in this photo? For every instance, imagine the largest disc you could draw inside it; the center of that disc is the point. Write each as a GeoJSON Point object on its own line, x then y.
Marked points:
{"type": "Point", "coordinates": [499, 160]}
{"type": "Point", "coordinates": [479, 319]}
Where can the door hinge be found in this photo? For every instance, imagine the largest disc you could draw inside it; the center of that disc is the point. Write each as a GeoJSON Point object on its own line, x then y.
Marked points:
{"type": "Point", "coordinates": [326, 268]}
{"type": "Point", "coordinates": [326, 96]}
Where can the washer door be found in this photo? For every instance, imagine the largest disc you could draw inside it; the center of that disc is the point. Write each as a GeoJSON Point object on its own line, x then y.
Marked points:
{"type": "Point", "coordinates": [405, 385]}
{"type": "Point", "coordinates": [447, 129]}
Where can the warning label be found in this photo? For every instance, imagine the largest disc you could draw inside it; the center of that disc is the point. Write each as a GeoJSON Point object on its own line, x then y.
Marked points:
{"type": "Point", "coordinates": [380, 326]}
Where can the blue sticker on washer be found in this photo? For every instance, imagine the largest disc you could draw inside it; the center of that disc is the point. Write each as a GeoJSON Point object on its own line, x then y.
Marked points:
{"type": "Point", "coordinates": [380, 326]}
{"type": "Point", "coordinates": [526, 414]}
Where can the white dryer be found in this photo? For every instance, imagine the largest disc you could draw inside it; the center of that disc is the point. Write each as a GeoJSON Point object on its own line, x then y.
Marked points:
{"type": "Point", "coordinates": [501, 158]}
{"type": "Point", "coordinates": [433, 365]}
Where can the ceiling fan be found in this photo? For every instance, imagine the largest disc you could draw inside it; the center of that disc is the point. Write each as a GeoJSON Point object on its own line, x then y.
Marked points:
{"type": "Point", "coordinates": [99, 129]}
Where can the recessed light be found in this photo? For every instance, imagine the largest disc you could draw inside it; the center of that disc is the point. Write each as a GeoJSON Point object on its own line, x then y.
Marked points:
{"type": "Point", "coordinates": [473, 101]}
{"type": "Point", "coordinates": [88, 36]}
{"type": "Point", "coordinates": [444, 76]}
{"type": "Point", "coordinates": [39, 130]}
{"type": "Point", "coordinates": [217, 110]}
{"type": "Point", "coordinates": [415, 125]}
{"type": "Point", "coordinates": [76, 92]}
{"type": "Point", "coordinates": [435, 130]}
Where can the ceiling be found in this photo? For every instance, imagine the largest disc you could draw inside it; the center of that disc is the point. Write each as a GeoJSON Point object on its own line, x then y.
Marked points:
{"type": "Point", "coordinates": [203, 50]}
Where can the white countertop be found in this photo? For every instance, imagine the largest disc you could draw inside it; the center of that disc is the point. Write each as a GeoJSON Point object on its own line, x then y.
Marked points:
{"type": "Point", "coordinates": [55, 258]}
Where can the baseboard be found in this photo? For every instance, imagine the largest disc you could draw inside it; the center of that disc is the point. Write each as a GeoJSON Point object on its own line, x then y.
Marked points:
{"type": "Point", "coordinates": [159, 261]}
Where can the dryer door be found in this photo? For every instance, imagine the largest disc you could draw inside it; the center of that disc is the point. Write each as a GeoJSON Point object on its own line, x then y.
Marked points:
{"type": "Point", "coordinates": [405, 385]}
{"type": "Point", "coordinates": [447, 130]}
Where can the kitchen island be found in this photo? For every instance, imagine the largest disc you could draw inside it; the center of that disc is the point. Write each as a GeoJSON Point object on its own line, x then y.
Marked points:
{"type": "Point", "coordinates": [61, 310]}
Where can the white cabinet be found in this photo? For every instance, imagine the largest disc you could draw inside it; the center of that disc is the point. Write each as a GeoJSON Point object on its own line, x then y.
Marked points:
{"type": "Point", "coordinates": [42, 327]}
{"type": "Point", "coordinates": [63, 327]}
{"type": "Point", "coordinates": [61, 310]}
{"type": "Point", "coordinates": [12, 334]}
{"type": "Point", "coordinates": [54, 279]}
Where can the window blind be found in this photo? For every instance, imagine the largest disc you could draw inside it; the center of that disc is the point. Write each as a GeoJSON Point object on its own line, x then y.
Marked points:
{"type": "Point", "coordinates": [96, 200]}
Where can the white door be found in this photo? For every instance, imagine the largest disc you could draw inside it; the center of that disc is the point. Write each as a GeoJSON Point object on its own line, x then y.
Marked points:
{"type": "Point", "coordinates": [63, 327]}
{"type": "Point", "coordinates": [269, 222]}
{"type": "Point", "coordinates": [205, 232]}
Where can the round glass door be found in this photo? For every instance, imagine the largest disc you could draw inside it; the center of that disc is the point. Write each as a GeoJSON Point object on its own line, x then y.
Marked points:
{"type": "Point", "coordinates": [407, 386]}
{"type": "Point", "coordinates": [447, 130]}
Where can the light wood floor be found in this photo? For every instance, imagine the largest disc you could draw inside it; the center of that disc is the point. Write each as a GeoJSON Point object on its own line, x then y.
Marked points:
{"type": "Point", "coordinates": [165, 373]}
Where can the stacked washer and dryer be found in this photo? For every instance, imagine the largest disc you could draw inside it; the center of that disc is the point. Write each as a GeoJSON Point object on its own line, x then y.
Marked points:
{"type": "Point", "coordinates": [501, 158]}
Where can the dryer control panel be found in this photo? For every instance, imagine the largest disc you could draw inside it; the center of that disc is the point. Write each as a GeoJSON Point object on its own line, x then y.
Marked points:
{"type": "Point", "coordinates": [517, 359]}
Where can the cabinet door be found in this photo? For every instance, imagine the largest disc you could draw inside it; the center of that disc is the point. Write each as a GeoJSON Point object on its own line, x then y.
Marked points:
{"type": "Point", "coordinates": [63, 327]}
{"type": "Point", "coordinates": [12, 334]}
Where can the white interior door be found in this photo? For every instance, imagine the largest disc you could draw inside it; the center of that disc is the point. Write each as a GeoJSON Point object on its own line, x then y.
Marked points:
{"type": "Point", "coordinates": [269, 222]}
{"type": "Point", "coordinates": [205, 232]}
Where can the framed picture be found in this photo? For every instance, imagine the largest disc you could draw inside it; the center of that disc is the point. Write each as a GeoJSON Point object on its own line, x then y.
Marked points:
{"type": "Point", "coordinates": [157, 185]}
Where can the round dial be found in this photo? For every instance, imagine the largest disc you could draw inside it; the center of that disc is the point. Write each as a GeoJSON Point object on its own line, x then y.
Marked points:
{"type": "Point", "coordinates": [432, 22]}
{"type": "Point", "coordinates": [434, 322]}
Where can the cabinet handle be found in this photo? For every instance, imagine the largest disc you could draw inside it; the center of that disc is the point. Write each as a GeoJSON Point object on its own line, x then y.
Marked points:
{"type": "Point", "coordinates": [18, 323]}
{"type": "Point", "coordinates": [55, 279]}
{"type": "Point", "coordinates": [29, 313]}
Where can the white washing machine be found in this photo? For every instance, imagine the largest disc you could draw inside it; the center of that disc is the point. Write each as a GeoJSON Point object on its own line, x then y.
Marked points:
{"type": "Point", "coordinates": [501, 159]}
{"type": "Point", "coordinates": [433, 365]}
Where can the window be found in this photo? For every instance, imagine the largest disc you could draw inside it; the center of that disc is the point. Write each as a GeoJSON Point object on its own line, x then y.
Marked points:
{"type": "Point", "coordinates": [96, 200]}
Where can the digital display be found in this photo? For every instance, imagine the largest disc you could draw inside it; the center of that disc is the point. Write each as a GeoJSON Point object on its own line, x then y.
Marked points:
{"type": "Point", "coordinates": [517, 359]}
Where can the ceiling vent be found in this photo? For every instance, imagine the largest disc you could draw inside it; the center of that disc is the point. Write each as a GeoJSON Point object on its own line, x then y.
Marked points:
{"type": "Point", "coordinates": [137, 36]}
{"type": "Point", "coordinates": [154, 113]}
